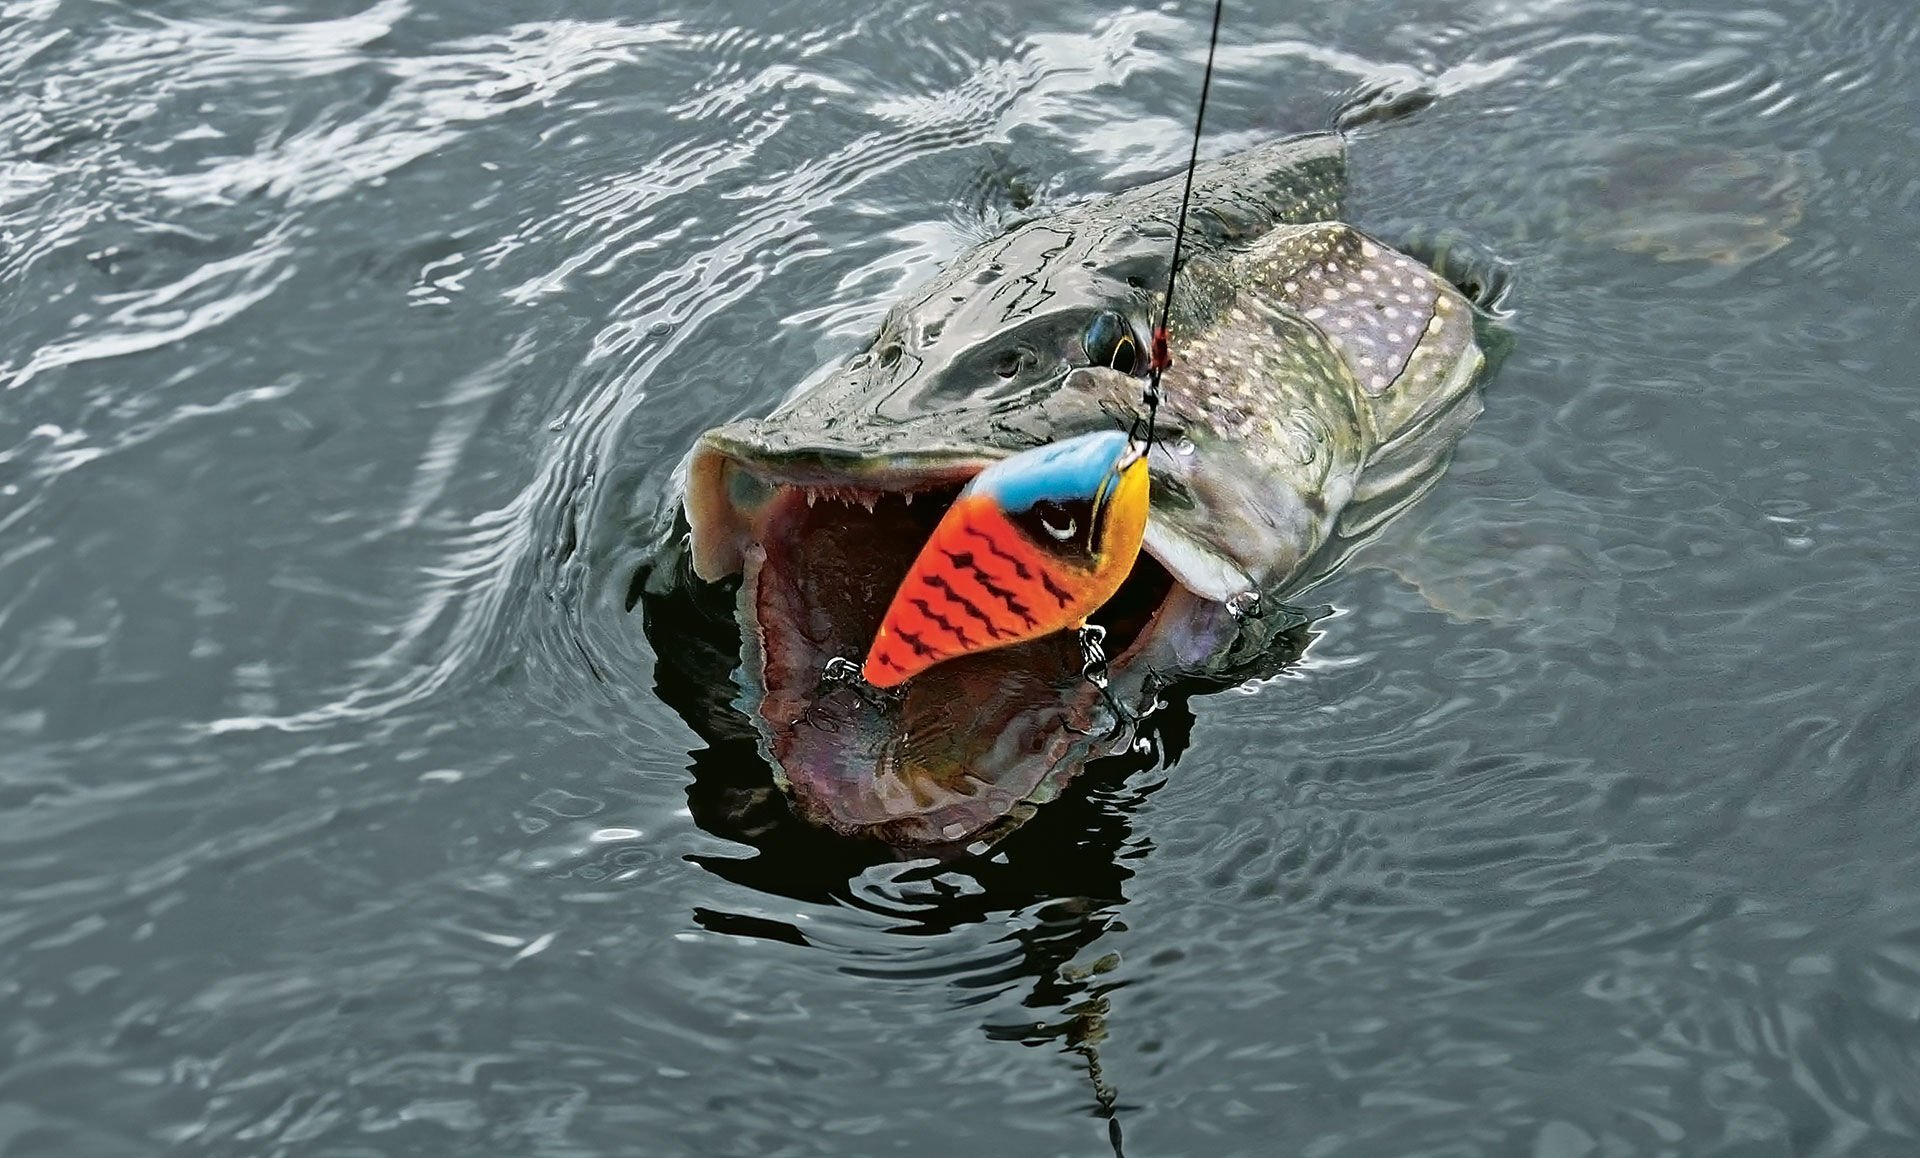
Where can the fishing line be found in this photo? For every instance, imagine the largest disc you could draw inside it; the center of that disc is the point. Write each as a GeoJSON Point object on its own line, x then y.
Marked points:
{"type": "Point", "coordinates": [1161, 356]}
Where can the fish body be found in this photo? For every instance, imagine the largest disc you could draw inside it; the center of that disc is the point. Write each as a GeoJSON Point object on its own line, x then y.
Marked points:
{"type": "Point", "coordinates": [1319, 383]}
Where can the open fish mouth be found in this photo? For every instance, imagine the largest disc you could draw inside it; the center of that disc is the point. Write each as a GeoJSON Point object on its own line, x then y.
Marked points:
{"type": "Point", "coordinates": [1323, 381]}
{"type": "Point", "coordinates": [963, 751]}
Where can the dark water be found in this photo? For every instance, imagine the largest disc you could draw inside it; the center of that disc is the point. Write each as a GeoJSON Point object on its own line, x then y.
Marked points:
{"type": "Point", "coordinates": [344, 354]}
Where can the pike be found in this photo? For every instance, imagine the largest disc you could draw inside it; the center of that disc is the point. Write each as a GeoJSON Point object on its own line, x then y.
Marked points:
{"type": "Point", "coordinates": [1321, 382]}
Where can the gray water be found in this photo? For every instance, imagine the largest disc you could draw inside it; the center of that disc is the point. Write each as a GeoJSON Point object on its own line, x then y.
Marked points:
{"type": "Point", "coordinates": [346, 354]}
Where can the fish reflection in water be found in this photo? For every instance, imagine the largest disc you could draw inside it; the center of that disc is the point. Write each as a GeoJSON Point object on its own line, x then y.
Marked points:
{"type": "Point", "coordinates": [1710, 203]}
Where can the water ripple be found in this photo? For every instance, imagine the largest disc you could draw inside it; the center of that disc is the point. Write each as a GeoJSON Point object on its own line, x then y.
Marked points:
{"type": "Point", "coordinates": [349, 358]}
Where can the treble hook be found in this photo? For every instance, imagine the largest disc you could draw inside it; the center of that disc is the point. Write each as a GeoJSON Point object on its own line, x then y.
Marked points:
{"type": "Point", "coordinates": [1093, 668]}
{"type": "Point", "coordinates": [1093, 654]}
{"type": "Point", "coordinates": [845, 673]}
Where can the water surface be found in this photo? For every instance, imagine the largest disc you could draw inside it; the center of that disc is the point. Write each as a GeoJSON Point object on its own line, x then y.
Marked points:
{"type": "Point", "coordinates": [346, 355]}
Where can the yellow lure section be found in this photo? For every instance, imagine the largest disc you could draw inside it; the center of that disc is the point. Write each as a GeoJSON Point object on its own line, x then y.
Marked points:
{"type": "Point", "coordinates": [1033, 545]}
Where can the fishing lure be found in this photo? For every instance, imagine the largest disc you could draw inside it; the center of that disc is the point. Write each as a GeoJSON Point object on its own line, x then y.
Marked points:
{"type": "Point", "coordinates": [1033, 545]}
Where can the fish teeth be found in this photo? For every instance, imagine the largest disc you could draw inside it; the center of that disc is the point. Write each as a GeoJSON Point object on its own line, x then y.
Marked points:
{"type": "Point", "coordinates": [851, 496]}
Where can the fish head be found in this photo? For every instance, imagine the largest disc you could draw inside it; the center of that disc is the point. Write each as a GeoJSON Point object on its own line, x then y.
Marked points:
{"type": "Point", "coordinates": [996, 354]}
{"type": "Point", "coordinates": [971, 369]}
{"type": "Point", "coordinates": [968, 370]}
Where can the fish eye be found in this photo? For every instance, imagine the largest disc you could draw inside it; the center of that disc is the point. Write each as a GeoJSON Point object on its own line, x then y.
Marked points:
{"type": "Point", "coordinates": [1109, 341]}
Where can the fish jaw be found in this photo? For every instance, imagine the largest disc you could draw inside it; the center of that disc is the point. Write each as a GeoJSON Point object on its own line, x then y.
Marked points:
{"type": "Point", "coordinates": [732, 477]}
{"type": "Point", "coordinates": [962, 751]}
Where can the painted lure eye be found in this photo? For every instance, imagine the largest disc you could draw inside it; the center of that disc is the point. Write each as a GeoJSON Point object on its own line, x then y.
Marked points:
{"type": "Point", "coordinates": [1064, 530]}
{"type": "Point", "coordinates": [1109, 342]}
{"type": "Point", "coordinates": [1058, 522]}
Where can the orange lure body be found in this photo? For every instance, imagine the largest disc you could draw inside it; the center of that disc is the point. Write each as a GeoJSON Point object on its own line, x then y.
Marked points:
{"type": "Point", "coordinates": [1033, 545]}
